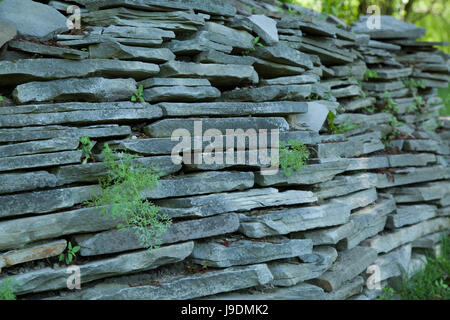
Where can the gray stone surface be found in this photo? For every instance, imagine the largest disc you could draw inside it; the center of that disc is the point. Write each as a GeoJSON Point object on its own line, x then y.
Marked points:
{"type": "Point", "coordinates": [25, 70]}
{"type": "Point", "coordinates": [44, 201]}
{"type": "Point", "coordinates": [106, 50]}
{"type": "Point", "coordinates": [91, 172]}
{"type": "Point", "coordinates": [8, 32]}
{"type": "Point", "coordinates": [14, 182]}
{"type": "Point", "coordinates": [391, 28]}
{"type": "Point", "coordinates": [353, 147]}
{"type": "Point", "coordinates": [169, 82]}
{"type": "Point", "coordinates": [165, 128]}
{"type": "Point", "coordinates": [348, 265]}
{"type": "Point", "coordinates": [342, 185]}
{"type": "Point", "coordinates": [233, 251]}
{"type": "Point", "coordinates": [265, 27]}
{"type": "Point", "coordinates": [181, 93]}
{"type": "Point", "coordinates": [389, 241]}
{"type": "Point", "coordinates": [308, 174]}
{"type": "Point", "coordinates": [32, 20]}
{"type": "Point", "coordinates": [117, 240]}
{"type": "Point", "coordinates": [347, 289]}
{"type": "Point", "coordinates": [48, 279]}
{"type": "Point", "coordinates": [235, 38]}
{"type": "Point", "coordinates": [424, 192]}
{"type": "Point", "coordinates": [45, 50]}
{"type": "Point", "coordinates": [285, 221]}
{"type": "Point", "coordinates": [207, 205]}
{"type": "Point", "coordinates": [89, 89]}
{"type": "Point", "coordinates": [18, 232]}
{"type": "Point", "coordinates": [40, 146]}
{"type": "Point", "coordinates": [270, 69]}
{"type": "Point", "coordinates": [359, 199]}
{"type": "Point", "coordinates": [301, 79]}
{"type": "Point", "coordinates": [40, 160]}
{"type": "Point", "coordinates": [394, 263]}
{"type": "Point", "coordinates": [185, 287]}
{"type": "Point", "coordinates": [79, 112]}
{"type": "Point", "coordinates": [50, 132]}
{"type": "Point", "coordinates": [233, 108]}
{"type": "Point", "coordinates": [410, 176]}
{"type": "Point", "coordinates": [201, 183]}
{"type": "Point", "coordinates": [215, 56]}
{"type": "Point", "coordinates": [218, 74]}
{"type": "Point", "coordinates": [283, 54]}
{"type": "Point", "coordinates": [269, 93]}
{"type": "Point", "coordinates": [410, 214]}
{"type": "Point", "coordinates": [312, 265]}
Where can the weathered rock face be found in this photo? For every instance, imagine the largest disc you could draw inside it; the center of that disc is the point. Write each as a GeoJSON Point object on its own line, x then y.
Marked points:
{"type": "Point", "coordinates": [32, 20]}
{"type": "Point", "coordinates": [220, 98]}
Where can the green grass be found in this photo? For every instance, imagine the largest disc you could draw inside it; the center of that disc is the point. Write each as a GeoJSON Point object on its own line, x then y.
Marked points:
{"type": "Point", "coordinates": [431, 283]}
{"type": "Point", "coordinates": [445, 95]}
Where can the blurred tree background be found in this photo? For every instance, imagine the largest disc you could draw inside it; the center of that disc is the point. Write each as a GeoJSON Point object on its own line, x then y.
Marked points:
{"type": "Point", "coordinates": [434, 15]}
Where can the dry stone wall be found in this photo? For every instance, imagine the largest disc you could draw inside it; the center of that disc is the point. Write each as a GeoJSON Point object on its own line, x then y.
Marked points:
{"type": "Point", "coordinates": [376, 194]}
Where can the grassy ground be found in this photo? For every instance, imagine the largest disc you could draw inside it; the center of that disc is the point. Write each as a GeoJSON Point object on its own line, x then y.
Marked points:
{"type": "Point", "coordinates": [432, 283]}
{"type": "Point", "coordinates": [445, 95]}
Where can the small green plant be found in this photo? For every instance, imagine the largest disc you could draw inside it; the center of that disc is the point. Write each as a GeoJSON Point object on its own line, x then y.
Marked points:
{"type": "Point", "coordinates": [86, 148]}
{"type": "Point", "coordinates": [7, 288]}
{"type": "Point", "coordinates": [256, 42]}
{"type": "Point", "coordinates": [388, 294]}
{"type": "Point", "coordinates": [369, 74]}
{"type": "Point", "coordinates": [394, 123]}
{"type": "Point", "coordinates": [293, 156]}
{"type": "Point", "coordinates": [391, 106]}
{"type": "Point", "coordinates": [292, 11]}
{"type": "Point", "coordinates": [70, 253]}
{"type": "Point", "coordinates": [342, 127]}
{"type": "Point", "coordinates": [1, 98]}
{"type": "Point", "coordinates": [122, 197]}
{"type": "Point", "coordinates": [138, 95]}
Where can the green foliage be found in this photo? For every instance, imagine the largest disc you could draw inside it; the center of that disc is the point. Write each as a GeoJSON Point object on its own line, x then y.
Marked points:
{"type": "Point", "coordinates": [431, 283]}
{"type": "Point", "coordinates": [369, 74]}
{"type": "Point", "coordinates": [256, 42]}
{"type": "Point", "coordinates": [121, 197]}
{"type": "Point", "coordinates": [391, 106]}
{"type": "Point", "coordinates": [86, 148]}
{"type": "Point", "coordinates": [70, 253]}
{"type": "Point", "coordinates": [1, 98]}
{"type": "Point", "coordinates": [138, 95]}
{"type": "Point", "coordinates": [293, 156]}
{"type": "Point", "coordinates": [394, 123]}
{"type": "Point", "coordinates": [7, 288]}
{"type": "Point", "coordinates": [388, 294]}
{"type": "Point", "coordinates": [342, 127]}
{"type": "Point", "coordinates": [444, 93]}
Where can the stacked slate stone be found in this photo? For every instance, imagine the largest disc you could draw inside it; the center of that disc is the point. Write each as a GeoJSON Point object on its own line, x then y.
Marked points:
{"type": "Point", "coordinates": [236, 233]}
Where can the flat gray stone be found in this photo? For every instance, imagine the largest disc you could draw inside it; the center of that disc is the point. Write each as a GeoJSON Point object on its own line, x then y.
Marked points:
{"type": "Point", "coordinates": [235, 38]}
{"type": "Point", "coordinates": [342, 185]}
{"type": "Point", "coordinates": [428, 241]}
{"type": "Point", "coordinates": [410, 214]}
{"type": "Point", "coordinates": [233, 108]}
{"type": "Point", "coordinates": [107, 50]}
{"type": "Point", "coordinates": [49, 279]}
{"type": "Point", "coordinates": [270, 69]}
{"type": "Point", "coordinates": [117, 240]}
{"type": "Point", "coordinates": [368, 163]}
{"type": "Point", "coordinates": [269, 93]}
{"type": "Point", "coordinates": [353, 147]}
{"type": "Point", "coordinates": [44, 201]}
{"type": "Point", "coordinates": [22, 71]}
{"type": "Point", "coordinates": [169, 82]}
{"type": "Point", "coordinates": [383, 86]}
{"type": "Point", "coordinates": [166, 127]}
{"type": "Point", "coordinates": [217, 74]}
{"type": "Point", "coordinates": [91, 172]}
{"type": "Point", "coordinates": [283, 54]}
{"type": "Point", "coordinates": [411, 175]}
{"type": "Point", "coordinates": [347, 289]}
{"type": "Point", "coordinates": [315, 117]}
{"type": "Point", "coordinates": [265, 27]}
{"type": "Point", "coordinates": [207, 205]}
{"type": "Point", "coordinates": [349, 264]}
{"type": "Point", "coordinates": [78, 112]}
{"type": "Point", "coordinates": [40, 160]}
{"type": "Point", "coordinates": [89, 89]}
{"type": "Point", "coordinates": [312, 265]}
{"type": "Point", "coordinates": [308, 174]}
{"type": "Point", "coordinates": [185, 287]}
{"type": "Point", "coordinates": [389, 241]}
{"type": "Point", "coordinates": [40, 146]}
{"type": "Point", "coordinates": [416, 160]}
{"type": "Point", "coordinates": [301, 79]}
{"type": "Point", "coordinates": [427, 146]}
{"type": "Point", "coordinates": [14, 182]}
{"type": "Point", "coordinates": [215, 56]}
{"type": "Point", "coordinates": [391, 28]}
{"type": "Point", "coordinates": [355, 69]}
{"type": "Point", "coordinates": [357, 104]}
{"type": "Point", "coordinates": [181, 93]}
{"type": "Point", "coordinates": [242, 252]}
{"type": "Point", "coordinates": [285, 221]}
{"type": "Point", "coordinates": [201, 183]}
{"type": "Point", "coordinates": [18, 232]}
{"type": "Point", "coordinates": [389, 74]}
{"type": "Point", "coordinates": [359, 199]}
{"type": "Point", "coordinates": [423, 193]}
{"type": "Point", "coordinates": [394, 263]}
{"type": "Point", "coordinates": [8, 32]}
{"type": "Point", "coordinates": [50, 51]}
{"type": "Point", "coordinates": [32, 20]}
{"type": "Point", "coordinates": [51, 132]}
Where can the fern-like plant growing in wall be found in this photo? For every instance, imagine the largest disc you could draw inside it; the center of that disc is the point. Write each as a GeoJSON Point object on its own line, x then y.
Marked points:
{"type": "Point", "coordinates": [122, 197]}
{"type": "Point", "coordinates": [293, 156]}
